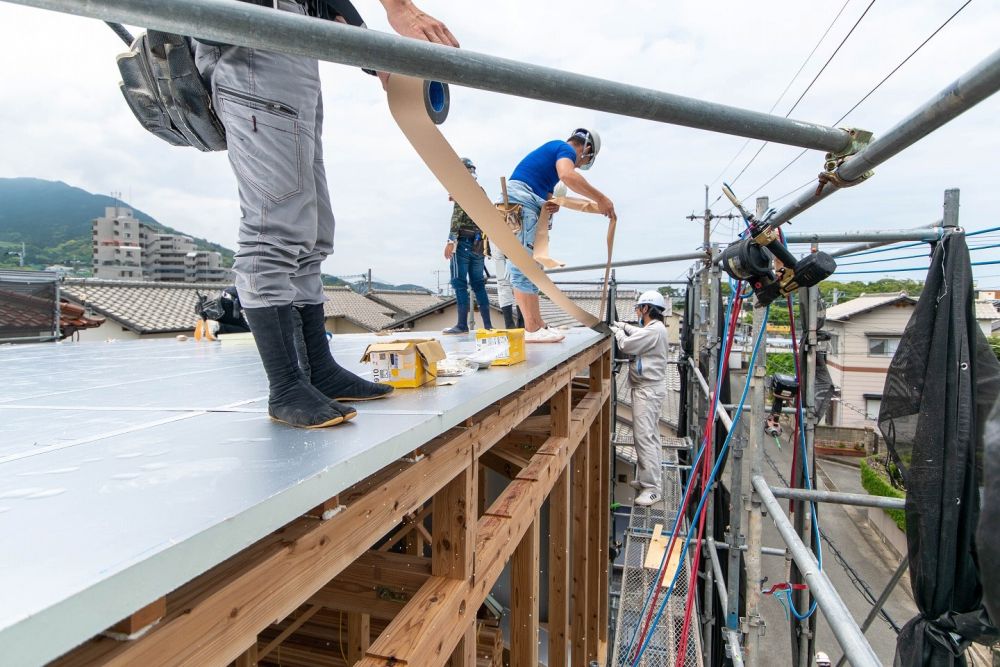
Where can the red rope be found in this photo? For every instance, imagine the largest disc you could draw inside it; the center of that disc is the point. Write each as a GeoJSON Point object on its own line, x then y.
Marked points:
{"type": "Point", "coordinates": [710, 421]}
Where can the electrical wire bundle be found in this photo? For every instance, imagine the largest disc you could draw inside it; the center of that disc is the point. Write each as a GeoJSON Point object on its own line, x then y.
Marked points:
{"type": "Point", "coordinates": [640, 639]}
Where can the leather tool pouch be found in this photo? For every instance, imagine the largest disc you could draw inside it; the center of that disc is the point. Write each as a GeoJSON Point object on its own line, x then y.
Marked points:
{"type": "Point", "coordinates": [166, 93]}
{"type": "Point", "coordinates": [512, 215]}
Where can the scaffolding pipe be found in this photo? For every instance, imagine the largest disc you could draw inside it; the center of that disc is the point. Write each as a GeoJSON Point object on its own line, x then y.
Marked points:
{"type": "Point", "coordinates": [732, 636]}
{"type": "Point", "coordinates": [958, 97]}
{"type": "Point", "coordinates": [856, 647]}
{"type": "Point", "coordinates": [836, 497]}
{"type": "Point", "coordinates": [244, 24]}
{"type": "Point", "coordinates": [632, 262]}
{"type": "Point", "coordinates": [879, 237]}
{"type": "Point", "coordinates": [600, 283]}
{"type": "Point", "coordinates": [727, 421]}
{"type": "Point", "coordinates": [877, 607]}
{"type": "Point", "coordinates": [860, 247]}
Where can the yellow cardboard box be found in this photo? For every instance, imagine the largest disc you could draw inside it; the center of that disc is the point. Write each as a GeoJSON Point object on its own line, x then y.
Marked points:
{"type": "Point", "coordinates": [405, 363]}
{"type": "Point", "coordinates": [506, 344]}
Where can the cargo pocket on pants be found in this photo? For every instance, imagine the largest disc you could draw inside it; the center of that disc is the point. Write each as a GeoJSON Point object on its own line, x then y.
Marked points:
{"type": "Point", "coordinates": [264, 143]}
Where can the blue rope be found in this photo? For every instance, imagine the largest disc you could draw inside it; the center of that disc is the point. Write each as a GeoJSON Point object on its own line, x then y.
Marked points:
{"type": "Point", "coordinates": [908, 268]}
{"type": "Point", "coordinates": [893, 259]}
{"type": "Point", "coordinates": [735, 289]}
{"type": "Point", "coordinates": [913, 245]}
{"type": "Point", "coordinates": [704, 495]}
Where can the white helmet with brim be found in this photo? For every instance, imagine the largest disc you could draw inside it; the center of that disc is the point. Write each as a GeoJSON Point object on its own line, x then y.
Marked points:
{"type": "Point", "coordinates": [591, 146]}
{"type": "Point", "coordinates": [652, 298]}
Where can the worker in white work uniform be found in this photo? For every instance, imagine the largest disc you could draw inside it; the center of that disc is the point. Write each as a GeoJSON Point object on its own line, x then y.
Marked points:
{"type": "Point", "coordinates": [646, 347]}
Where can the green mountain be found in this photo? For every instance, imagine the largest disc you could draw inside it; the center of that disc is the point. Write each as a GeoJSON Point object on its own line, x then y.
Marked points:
{"type": "Point", "coordinates": [53, 220]}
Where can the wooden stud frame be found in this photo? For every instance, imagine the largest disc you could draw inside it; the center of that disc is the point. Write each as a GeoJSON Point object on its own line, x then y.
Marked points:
{"type": "Point", "coordinates": [213, 619]}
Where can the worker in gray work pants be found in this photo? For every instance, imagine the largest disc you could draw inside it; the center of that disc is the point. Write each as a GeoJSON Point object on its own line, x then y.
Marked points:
{"type": "Point", "coordinates": [646, 346]}
{"type": "Point", "coordinates": [272, 108]}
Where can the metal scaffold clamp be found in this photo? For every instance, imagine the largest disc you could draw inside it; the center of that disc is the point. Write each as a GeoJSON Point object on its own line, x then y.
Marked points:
{"type": "Point", "coordinates": [833, 161]}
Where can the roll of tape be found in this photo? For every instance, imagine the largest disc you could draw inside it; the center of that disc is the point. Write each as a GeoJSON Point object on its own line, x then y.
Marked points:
{"type": "Point", "coordinates": [416, 106]}
{"type": "Point", "coordinates": [437, 101]}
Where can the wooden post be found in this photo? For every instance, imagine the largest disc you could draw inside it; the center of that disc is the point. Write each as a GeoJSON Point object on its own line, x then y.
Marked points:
{"type": "Point", "coordinates": [578, 591]}
{"type": "Point", "coordinates": [595, 537]}
{"type": "Point", "coordinates": [524, 598]}
{"type": "Point", "coordinates": [453, 554]}
{"type": "Point", "coordinates": [248, 658]}
{"type": "Point", "coordinates": [605, 557]}
{"type": "Point", "coordinates": [559, 521]}
{"type": "Point", "coordinates": [359, 636]}
{"type": "Point", "coordinates": [559, 411]}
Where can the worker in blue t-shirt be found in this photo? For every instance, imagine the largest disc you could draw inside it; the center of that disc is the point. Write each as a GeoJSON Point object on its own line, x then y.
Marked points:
{"type": "Point", "coordinates": [531, 185]}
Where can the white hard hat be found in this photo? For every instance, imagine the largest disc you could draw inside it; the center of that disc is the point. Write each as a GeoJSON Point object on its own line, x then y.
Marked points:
{"type": "Point", "coordinates": [822, 659]}
{"type": "Point", "coordinates": [652, 298]}
{"type": "Point", "coordinates": [591, 139]}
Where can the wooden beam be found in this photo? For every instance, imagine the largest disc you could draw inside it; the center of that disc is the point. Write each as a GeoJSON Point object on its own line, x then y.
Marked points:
{"type": "Point", "coordinates": [524, 598]}
{"type": "Point", "coordinates": [559, 535]}
{"type": "Point", "coordinates": [213, 618]}
{"type": "Point", "coordinates": [579, 553]}
{"type": "Point", "coordinates": [308, 613]}
{"type": "Point", "coordinates": [432, 623]}
{"type": "Point", "coordinates": [140, 620]}
{"type": "Point", "coordinates": [377, 583]}
{"type": "Point", "coordinates": [359, 636]}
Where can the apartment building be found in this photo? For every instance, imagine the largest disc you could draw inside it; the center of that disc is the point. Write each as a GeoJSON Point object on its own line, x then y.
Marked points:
{"type": "Point", "coordinates": [127, 249]}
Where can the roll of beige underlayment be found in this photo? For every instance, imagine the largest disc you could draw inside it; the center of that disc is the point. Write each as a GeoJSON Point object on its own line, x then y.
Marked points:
{"type": "Point", "coordinates": [412, 103]}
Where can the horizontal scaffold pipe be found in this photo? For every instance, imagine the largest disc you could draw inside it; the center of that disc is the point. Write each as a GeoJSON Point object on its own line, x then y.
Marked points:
{"type": "Point", "coordinates": [634, 262]}
{"type": "Point", "coordinates": [850, 637]}
{"type": "Point", "coordinates": [860, 247]}
{"type": "Point", "coordinates": [838, 498]}
{"type": "Point", "coordinates": [245, 24]}
{"type": "Point", "coordinates": [888, 236]}
{"type": "Point", "coordinates": [959, 96]}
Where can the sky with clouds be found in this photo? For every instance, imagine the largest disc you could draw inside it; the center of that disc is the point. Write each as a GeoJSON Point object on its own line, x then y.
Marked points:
{"type": "Point", "coordinates": [63, 118]}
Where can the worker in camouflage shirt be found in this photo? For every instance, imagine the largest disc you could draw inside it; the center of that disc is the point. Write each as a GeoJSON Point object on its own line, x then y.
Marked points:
{"type": "Point", "coordinates": [466, 252]}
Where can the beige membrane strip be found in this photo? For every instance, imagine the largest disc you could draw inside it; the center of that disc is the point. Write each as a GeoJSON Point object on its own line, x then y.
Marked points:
{"type": "Point", "coordinates": [406, 102]}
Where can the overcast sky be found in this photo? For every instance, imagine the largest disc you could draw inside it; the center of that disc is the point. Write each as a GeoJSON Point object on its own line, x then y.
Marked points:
{"type": "Point", "coordinates": [63, 118]}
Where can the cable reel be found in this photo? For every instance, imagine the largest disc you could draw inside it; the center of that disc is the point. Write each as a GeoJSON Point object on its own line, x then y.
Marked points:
{"type": "Point", "coordinates": [750, 259]}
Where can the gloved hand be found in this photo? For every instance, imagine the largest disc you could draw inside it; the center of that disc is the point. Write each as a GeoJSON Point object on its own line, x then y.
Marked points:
{"type": "Point", "coordinates": [620, 325]}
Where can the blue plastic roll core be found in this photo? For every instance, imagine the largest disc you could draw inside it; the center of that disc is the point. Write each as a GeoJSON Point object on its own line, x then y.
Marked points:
{"type": "Point", "coordinates": [437, 100]}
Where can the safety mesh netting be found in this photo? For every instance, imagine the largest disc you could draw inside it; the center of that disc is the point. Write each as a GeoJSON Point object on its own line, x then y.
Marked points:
{"type": "Point", "coordinates": [940, 385]}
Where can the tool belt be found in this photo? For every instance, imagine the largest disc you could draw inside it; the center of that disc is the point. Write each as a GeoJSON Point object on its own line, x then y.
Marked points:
{"type": "Point", "coordinates": [478, 240]}
{"type": "Point", "coordinates": [166, 93]}
{"type": "Point", "coordinates": [512, 215]}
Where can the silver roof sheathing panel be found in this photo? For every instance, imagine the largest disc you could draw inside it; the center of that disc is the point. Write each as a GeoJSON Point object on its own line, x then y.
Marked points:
{"type": "Point", "coordinates": [128, 468]}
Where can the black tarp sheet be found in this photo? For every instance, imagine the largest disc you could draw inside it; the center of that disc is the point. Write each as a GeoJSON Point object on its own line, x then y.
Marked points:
{"type": "Point", "coordinates": [941, 382]}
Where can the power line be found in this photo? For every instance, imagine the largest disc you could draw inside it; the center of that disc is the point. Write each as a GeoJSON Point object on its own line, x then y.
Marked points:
{"type": "Point", "coordinates": [811, 83]}
{"type": "Point", "coordinates": [904, 61]}
{"type": "Point", "coordinates": [866, 95]}
{"type": "Point", "coordinates": [787, 88]}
